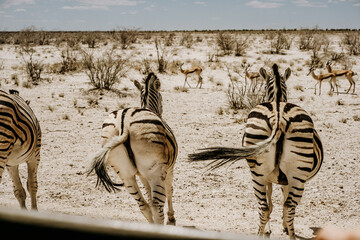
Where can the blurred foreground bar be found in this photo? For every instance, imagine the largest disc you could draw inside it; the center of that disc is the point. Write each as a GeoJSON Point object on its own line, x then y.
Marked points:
{"type": "Point", "coordinates": [46, 225]}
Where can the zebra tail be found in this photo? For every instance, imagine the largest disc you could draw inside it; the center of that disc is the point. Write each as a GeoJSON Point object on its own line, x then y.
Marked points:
{"type": "Point", "coordinates": [99, 164]}
{"type": "Point", "coordinates": [223, 155]}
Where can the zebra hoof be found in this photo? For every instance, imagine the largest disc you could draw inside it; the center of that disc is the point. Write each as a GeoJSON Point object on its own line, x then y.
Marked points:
{"type": "Point", "coordinates": [171, 222]}
{"type": "Point", "coordinates": [267, 234]}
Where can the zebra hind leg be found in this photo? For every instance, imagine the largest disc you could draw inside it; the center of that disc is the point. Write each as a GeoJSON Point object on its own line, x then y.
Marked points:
{"type": "Point", "coordinates": [19, 191]}
{"type": "Point", "coordinates": [292, 196]}
{"type": "Point", "coordinates": [32, 185]}
{"type": "Point", "coordinates": [133, 188]}
{"type": "Point", "coordinates": [265, 207]}
{"type": "Point", "coordinates": [158, 195]}
{"type": "Point", "coordinates": [268, 197]}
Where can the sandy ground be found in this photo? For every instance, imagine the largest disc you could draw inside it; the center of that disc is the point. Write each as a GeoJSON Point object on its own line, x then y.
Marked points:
{"type": "Point", "coordinates": [220, 200]}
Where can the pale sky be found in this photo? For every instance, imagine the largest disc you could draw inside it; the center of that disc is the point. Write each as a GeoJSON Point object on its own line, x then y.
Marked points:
{"type": "Point", "coordinates": [79, 15]}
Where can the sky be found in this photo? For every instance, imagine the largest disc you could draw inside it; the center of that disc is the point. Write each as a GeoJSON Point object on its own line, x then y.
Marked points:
{"type": "Point", "coordinates": [104, 15]}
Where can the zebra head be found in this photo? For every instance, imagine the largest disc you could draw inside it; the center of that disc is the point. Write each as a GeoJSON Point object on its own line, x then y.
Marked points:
{"type": "Point", "coordinates": [150, 93]}
{"type": "Point", "coordinates": [16, 93]}
{"type": "Point", "coordinates": [275, 84]}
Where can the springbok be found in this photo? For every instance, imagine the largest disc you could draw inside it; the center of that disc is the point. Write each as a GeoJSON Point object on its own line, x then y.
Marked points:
{"type": "Point", "coordinates": [193, 70]}
{"type": "Point", "coordinates": [331, 77]}
{"type": "Point", "coordinates": [339, 73]}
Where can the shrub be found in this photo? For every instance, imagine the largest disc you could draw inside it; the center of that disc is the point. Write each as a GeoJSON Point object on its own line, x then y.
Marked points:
{"type": "Point", "coordinates": [225, 42]}
{"type": "Point", "coordinates": [162, 56]}
{"type": "Point", "coordinates": [241, 96]}
{"type": "Point", "coordinates": [69, 62]}
{"type": "Point", "coordinates": [306, 39]}
{"type": "Point", "coordinates": [187, 40]}
{"type": "Point", "coordinates": [169, 39]}
{"type": "Point", "coordinates": [126, 37]}
{"type": "Point", "coordinates": [352, 43]}
{"type": "Point", "coordinates": [104, 71]}
{"type": "Point", "coordinates": [241, 45]}
{"type": "Point", "coordinates": [33, 66]}
{"type": "Point", "coordinates": [279, 42]}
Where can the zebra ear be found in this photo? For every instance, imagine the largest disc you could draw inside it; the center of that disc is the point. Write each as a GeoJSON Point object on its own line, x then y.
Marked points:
{"type": "Point", "coordinates": [264, 74]}
{"type": "Point", "coordinates": [138, 85]}
{"type": "Point", "coordinates": [287, 74]}
{"type": "Point", "coordinates": [157, 85]}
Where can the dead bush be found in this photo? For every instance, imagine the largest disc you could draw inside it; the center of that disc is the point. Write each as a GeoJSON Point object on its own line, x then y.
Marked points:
{"type": "Point", "coordinates": [162, 55]}
{"type": "Point", "coordinates": [241, 44]}
{"type": "Point", "coordinates": [241, 96]}
{"type": "Point", "coordinates": [126, 37]}
{"type": "Point", "coordinates": [225, 42]}
{"type": "Point", "coordinates": [279, 42]}
{"type": "Point", "coordinates": [34, 67]}
{"type": "Point", "coordinates": [69, 62]}
{"type": "Point", "coordinates": [306, 39]}
{"type": "Point", "coordinates": [187, 40]}
{"type": "Point", "coordinates": [104, 71]}
{"type": "Point", "coordinates": [352, 43]}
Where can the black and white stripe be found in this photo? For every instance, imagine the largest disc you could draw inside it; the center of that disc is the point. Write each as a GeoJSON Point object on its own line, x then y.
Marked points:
{"type": "Point", "coordinates": [20, 141]}
{"type": "Point", "coordinates": [280, 145]}
{"type": "Point", "coordinates": [137, 141]}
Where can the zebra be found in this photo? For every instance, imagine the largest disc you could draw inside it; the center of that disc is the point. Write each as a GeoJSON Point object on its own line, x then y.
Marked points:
{"type": "Point", "coordinates": [20, 141]}
{"type": "Point", "coordinates": [138, 142]}
{"type": "Point", "coordinates": [280, 145]}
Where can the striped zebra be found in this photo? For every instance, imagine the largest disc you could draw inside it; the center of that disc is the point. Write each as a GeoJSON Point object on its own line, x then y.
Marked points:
{"type": "Point", "coordinates": [280, 145]}
{"type": "Point", "coordinates": [138, 142]}
{"type": "Point", "coordinates": [20, 141]}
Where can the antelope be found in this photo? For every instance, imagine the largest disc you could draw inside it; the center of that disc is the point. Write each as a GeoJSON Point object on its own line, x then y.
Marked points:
{"type": "Point", "coordinates": [338, 73]}
{"type": "Point", "coordinates": [331, 77]}
{"type": "Point", "coordinates": [253, 76]}
{"type": "Point", "coordinates": [192, 70]}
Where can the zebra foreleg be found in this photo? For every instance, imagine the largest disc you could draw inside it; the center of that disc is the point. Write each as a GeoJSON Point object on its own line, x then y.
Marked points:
{"type": "Point", "coordinates": [32, 185]}
{"type": "Point", "coordinates": [19, 191]}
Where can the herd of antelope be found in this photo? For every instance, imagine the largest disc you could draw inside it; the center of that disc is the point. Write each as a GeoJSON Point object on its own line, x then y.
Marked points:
{"type": "Point", "coordinates": [331, 76]}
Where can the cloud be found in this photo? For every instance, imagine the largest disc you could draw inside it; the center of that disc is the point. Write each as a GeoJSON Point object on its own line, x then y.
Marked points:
{"type": "Point", "coordinates": [101, 4]}
{"type": "Point", "coordinates": [263, 4]}
{"type": "Point", "coordinates": [83, 7]}
{"type": "Point", "coordinates": [10, 3]}
{"type": "Point", "coordinates": [150, 8]}
{"type": "Point", "coordinates": [4, 15]}
{"type": "Point", "coordinates": [20, 10]}
{"type": "Point", "coordinates": [110, 2]}
{"type": "Point", "coordinates": [307, 3]}
{"type": "Point", "coordinates": [131, 12]}
{"type": "Point", "coordinates": [200, 3]}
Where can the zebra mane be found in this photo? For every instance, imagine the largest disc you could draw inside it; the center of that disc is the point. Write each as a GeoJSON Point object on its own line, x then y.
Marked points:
{"type": "Point", "coordinates": [147, 79]}
{"type": "Point", "coordinates": [150, 95]}
{"type": "Point", "coordinates": [280, 85]}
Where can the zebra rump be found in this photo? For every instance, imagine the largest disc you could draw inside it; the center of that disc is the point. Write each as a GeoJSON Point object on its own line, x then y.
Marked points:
{"type": "Point", "coordinates": [99, 165]}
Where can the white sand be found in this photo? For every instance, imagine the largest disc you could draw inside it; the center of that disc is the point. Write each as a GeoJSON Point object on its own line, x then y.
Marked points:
{"type": "Point", "coordinates": [220, 200]}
